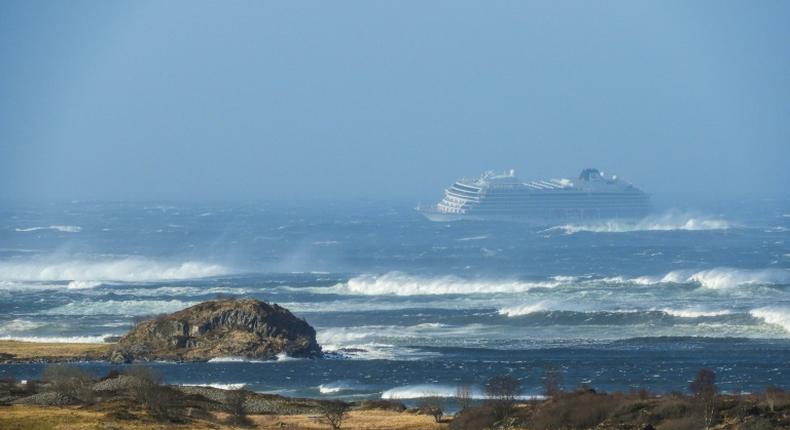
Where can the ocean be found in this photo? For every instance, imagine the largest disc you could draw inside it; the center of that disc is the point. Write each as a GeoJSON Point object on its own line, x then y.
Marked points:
{"type": "Point", "coordinates": [410, 308]}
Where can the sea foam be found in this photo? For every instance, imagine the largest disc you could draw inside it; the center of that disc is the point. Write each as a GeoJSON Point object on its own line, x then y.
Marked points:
{"type": "Point", "coordinates": [401, 284]}
{"type": "Point", "coordinates": [671, 221]}
{"type": "Point", "coordinates": [133, 269]}
{"type": "Point", "coordinates": [774, 315]}
{"type": "Point", "coordinates": [728, 277]}
{"type": "Point", "coordinates": [60, 228]}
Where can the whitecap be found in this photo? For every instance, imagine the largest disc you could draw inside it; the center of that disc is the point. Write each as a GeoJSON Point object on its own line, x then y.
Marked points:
{"type": "Point", "coordinates": [119, 307]}
{"type": "Point", "coordinates": [728, 277]}
{"type": "Point", "coordinates": [418, 391]}
{"type": "Point", "coordinates": [59, 339]}
{"type": "Point", "coordinates": [775, 315]}
{"type": "Point", "coordinates": [401, 284]}
{"type": "Point", "coordinates": [132, 269]}
{"type": "Point", "coordinates": [221, 386]}
{"type": "Point", "coordinates": [694, 312]}
{"type": "Point", "coordinates": [17, 325]}
{"type": "Point", "coordinates": [60, 228]}
{"type": "Point", "coordinates": [671, 221]}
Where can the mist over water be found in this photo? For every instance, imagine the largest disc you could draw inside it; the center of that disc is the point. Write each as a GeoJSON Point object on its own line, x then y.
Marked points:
{"type": "Point", "coordinates": [418, 306]}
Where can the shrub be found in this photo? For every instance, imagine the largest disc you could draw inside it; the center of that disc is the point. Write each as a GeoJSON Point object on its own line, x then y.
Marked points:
{"type": "Point", "coordinates": [552, 380]}
{"type": "Point", "coordinates": [502, 392]}
{"type": "Point", "coordinates": [387, 405]}
{"type": "Point", "coordinates": [234, 402]}
{"type": "Point", "coordinates": [431, 406]}
{"type": "Point", "coordinates": [111, 374]}
{"type": "Point", "coordinates": [160, 401]}
{"type": "Point", "coordinates": [334, 412]}
{"type": "Point", "coordinates": [69, 381]}
{"type": "Point", "coordinates": [577, 410]}
{"type": "Point", "coordinates": [463, 397]}
{"type": "Point", "coordinates": [474, 418]}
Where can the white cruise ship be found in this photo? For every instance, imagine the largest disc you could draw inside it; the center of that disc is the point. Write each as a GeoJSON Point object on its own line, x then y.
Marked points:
{"type": "Point", "coordinates": [592, 196]}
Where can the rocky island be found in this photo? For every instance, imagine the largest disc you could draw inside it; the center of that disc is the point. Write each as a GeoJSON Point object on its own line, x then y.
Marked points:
{"type": "Point", "coordinates": [245, 328]}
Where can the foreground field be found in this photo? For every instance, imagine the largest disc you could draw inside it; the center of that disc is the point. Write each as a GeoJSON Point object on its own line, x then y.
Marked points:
{"type": "Point", "coordinates": [25, 417]}
{"type": "Point", "coordinates": [17, 351]}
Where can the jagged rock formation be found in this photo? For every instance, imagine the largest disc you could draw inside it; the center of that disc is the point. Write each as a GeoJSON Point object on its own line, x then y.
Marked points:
{"type": "Point", "coordinates": [222, 328]}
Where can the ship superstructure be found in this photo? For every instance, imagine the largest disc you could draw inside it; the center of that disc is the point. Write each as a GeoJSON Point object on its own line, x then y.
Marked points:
{"type": "Point", "coordinates": [504, 197]}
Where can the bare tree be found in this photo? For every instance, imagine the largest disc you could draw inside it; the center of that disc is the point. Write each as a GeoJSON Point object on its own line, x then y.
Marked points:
{"type": "Point", "coordinates": [432, 406]}
{"type": "Point", "coordinates": [69, 381]}
{"type": "Point", "coordinates": [502, 392]}
{"type": "Point", "coordinates": [234, 402]}
{"type": "Point", "coordinates": [334, 412]}
{"type": "Point", "coordinates": [552, 380]}
{"type": "Point", "coordinates": [463, 397]}
{"type": "Point", "coordinates": [160, 401]}
{"type": "Point", "coordinates": [706, 392]}
{"type": "Point", "coordinates": [771, 394]}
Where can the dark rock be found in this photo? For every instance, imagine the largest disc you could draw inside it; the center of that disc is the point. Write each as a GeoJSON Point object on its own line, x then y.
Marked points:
{"type": "Point", "coordinates": [221, 328]}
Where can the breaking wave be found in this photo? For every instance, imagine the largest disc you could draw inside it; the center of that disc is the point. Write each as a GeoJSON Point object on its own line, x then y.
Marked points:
{"type": "Point", "coordinates": [59, 339]}
{"type": "Point", "coordinates": [218, 385]}
{"type": "Point", "coordinates": [401, 284]}
{"type": "Point", "coordinates": [667, 222]}
{"type": "Point", "coordinates": [728, 277]}
{"type": "Point", "coordinates": [122, 270]}
{"type": "Point", "coordinates": [119, 307]}
{"type": "Point", "coordinates": [60, 228]}
{"type": "Point", "coordinates": [418, 391]}
{"type": "Point", "coordinates": [339, 386]}
{"type": "Point", "coordinates": [17, 325]}
{"type": "Point", "coordinates": [774, 315]}
{"type": "Point", "coordinates": [521, 310]}
{"type": "Point", "coordinates": [694, 312]}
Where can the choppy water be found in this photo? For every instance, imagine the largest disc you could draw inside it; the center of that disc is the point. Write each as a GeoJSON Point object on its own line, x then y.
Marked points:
{"type": "Point", "coordinates": [418, 307]}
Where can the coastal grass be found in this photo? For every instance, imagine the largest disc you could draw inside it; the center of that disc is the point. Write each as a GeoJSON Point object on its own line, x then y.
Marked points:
{"type": "Point", "coordinates": [373, 419]}
{"type": "Point", "coordinates": [25, 417]}
{"type": "Point", "coordinates": [13, 350]}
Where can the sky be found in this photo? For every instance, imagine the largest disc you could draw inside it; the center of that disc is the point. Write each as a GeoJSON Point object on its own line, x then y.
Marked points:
{"type": "Point", "coordinates": [257, 100]}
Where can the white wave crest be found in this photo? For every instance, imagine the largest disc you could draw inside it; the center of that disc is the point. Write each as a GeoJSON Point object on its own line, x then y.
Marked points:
{"type": "Point", "coordinates": [60, 228]}
{"type": "Point", "coordinates": [728, 277]}
{"type": "Point", "coordinates": [526, 309]}
{"type": "Point", "coordinates": [59, 339]}
{"type": "Point", "coordinates": [774, 315]}
{"type": "Point", "coordinates": [234, 360]}
{"type": "Point", "coordinates": [338, 386]}
{"type": "Point", "coordinates": [17, 325]}
{"type": "Point", "coordinates": [418, 391]}
{"type": "Point", "coordinates": [401, 284]}
{"type": "Point", "coordinates": [119, 307]}
{"type": "Point", "coordinates": [667, 222]}
{"type": "Point", "coordinates": [219, 385]}
{"type": "Point", "coordinates": [132, 269]}
{"type": "Point", "coordinates": [694, 312]}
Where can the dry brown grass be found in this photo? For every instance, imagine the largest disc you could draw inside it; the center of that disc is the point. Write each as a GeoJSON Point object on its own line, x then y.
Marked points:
{"type": "Point", "coordinates": [21, 417]}
{"type": "Point", "coordinates": [357, 420]}
{"type": "Point", "coordinates": [16, 350]}
{"type": "Point", "coordinates": [61, 418]}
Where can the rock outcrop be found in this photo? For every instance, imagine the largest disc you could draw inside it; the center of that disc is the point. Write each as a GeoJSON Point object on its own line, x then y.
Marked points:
{"type": "Point", "coordinates": [222, 328]}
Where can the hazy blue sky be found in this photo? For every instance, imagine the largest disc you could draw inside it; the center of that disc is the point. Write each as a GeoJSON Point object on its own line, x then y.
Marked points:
{"type": "Point", "coordinates": [255, 100]}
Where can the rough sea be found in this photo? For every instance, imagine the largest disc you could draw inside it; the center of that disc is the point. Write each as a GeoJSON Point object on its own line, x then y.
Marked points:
{"type": "Point", "coordinates": [413, 308]}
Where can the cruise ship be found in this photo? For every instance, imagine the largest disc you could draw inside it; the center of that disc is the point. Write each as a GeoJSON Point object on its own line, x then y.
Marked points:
{"type": "Point", "coordinates": [503, 197]}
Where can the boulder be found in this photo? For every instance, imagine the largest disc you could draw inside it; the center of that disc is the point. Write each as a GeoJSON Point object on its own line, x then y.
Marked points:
{"type": "Point", "coordinates": [246, 328]}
